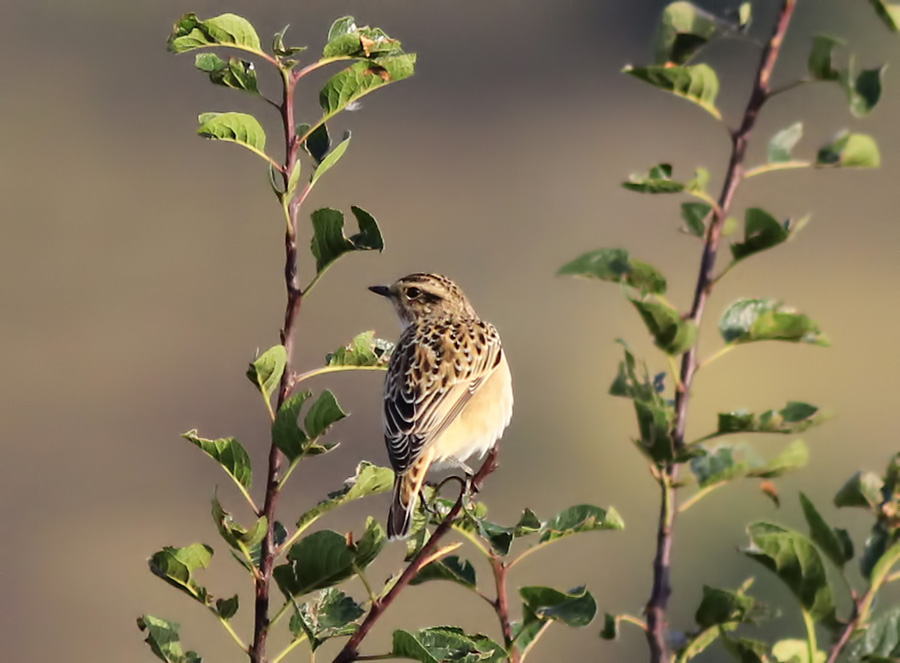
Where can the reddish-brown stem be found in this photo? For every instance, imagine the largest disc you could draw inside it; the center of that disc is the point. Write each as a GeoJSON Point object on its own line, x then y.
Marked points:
{"type": "Point", "coordinates": [501, 606]}
{"type": "Point", "coordinates": [350, 652]}
{"type": "Point", "coordinates": [842, 641]}
{"type": "Point", "coordinates": [850, 627]}
{"type": "Point", "coordinates": [263, 579]}
{"type": "Point", "coordinates": [659, 596]}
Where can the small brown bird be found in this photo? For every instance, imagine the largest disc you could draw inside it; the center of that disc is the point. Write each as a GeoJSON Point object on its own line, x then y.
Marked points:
{"type": "Point", "coordinates": [448, 391]}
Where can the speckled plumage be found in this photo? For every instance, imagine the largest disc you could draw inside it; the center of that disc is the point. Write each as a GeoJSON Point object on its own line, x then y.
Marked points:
{"type": "Point", "coordinates": [448, 392]}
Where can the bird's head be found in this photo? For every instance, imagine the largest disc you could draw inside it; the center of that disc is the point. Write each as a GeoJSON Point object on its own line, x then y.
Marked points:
{"type": "Point", "coordinates": [421, 296]}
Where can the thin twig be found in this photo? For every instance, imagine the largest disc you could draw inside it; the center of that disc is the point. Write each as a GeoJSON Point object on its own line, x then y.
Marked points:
{"type": "Point", "coordinates": [847, 632]}
{"type": "Point", "coordinates": [699, 495]}
{"type": "Point", "coordinates": [292, 310]}
{"type": "Point", "coordinates": [659, 596]}
{"type": "Point", "coordinates": [350, 652]}
{"type": "Point", "coordinates": [501, 606]}
{"type": "Point", "coordinates": [862, 605]}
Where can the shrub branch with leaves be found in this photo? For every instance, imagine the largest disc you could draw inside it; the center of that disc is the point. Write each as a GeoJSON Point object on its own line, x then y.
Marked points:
{"type": "Point", "coordinates": [308, 567]}
{"type": "Point", "coordinates": [800, 561]}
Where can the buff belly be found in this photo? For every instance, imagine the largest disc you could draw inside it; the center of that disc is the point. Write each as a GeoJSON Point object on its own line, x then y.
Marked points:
{"type": "Point", "coordinates": [481, 423]}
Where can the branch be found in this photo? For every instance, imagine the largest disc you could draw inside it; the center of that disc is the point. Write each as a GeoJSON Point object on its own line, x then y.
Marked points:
{"type": "Point", "coordinates": [863, 605]}
{"type": "Point", "coordinates": [292, 309]}
{"type": "Point", "coordinates": [659, 596]}
{"type": "Point", "coordinates": [847, 632]}
{"type": "Point", "coordinates": [350, 652]}
{"type": "Point", "coordinates": [501, 606]}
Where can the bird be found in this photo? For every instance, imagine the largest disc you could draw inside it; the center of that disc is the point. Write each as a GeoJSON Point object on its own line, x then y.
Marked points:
{"type": "Point", "coordinates": [448, 389]}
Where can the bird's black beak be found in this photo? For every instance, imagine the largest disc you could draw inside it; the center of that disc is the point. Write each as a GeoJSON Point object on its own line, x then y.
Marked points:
{"type": "Point", "coordinates": [382, 290]}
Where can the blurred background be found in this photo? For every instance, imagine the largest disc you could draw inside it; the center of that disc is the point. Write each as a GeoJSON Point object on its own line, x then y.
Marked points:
{"type": "Point", "coordinates": [140, 270]}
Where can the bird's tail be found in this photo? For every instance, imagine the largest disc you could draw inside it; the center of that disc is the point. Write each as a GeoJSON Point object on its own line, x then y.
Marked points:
{"type": "Point", "coordinates": [406, 497]}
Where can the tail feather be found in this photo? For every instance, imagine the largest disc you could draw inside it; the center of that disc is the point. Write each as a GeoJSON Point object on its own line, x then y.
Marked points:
{"type": "Point", "coordinates": [401, 514]}
{"type": "Point", "coordinates": [406, 497]}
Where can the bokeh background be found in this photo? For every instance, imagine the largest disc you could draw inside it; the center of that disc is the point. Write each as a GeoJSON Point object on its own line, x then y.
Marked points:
{"type": "Point", "coordinates": [140, 270]}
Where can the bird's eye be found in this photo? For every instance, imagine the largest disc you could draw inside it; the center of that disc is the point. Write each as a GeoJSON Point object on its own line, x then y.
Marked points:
{"type": "Point", "coordinates": [413, 293]}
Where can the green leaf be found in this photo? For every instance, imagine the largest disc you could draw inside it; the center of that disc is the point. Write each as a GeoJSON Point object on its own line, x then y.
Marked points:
{"type": "Point", "coordinates": [331, 614]}
{"type": "Point", "coordinates": [862, 489]}
{"type": "Point", "coordinates": [783, 142]}
{"type": "Point", "coordinates": [278, 47]}
{"type": "Point", "coordinates": [229, 453]}
{"type": "Point", "coordinates": [865, 93]}
{"type": "Point", "coordinates": [797, 562]}
{"type": "Point", "coordinates": [628, 383]}
{"type": "Point", "coordinates": [450, 568]}
{"type": "Point", "coordinates": [888, 12]}
{"type": "Point", "coordinates": [848, 150]}
{"type": "Point", "coordinates": [286, 432]}
{"type": "Point", "coordinates": [580, 518]}
{"type": "Point", "coordinates": [473, 520]}
{"type": "Point", "coordinates": [762, 231]}
{"type": "Point", "coordinates": [795, 417]}
{"type": "Point", "coordinates": [729, 227]}
{"type": "Point", "coordinates": [727, 462]}
{"type": "Point", "coordinates": [795, 651]}
{"type": "Point", "coordinates": [177, 565]}
{"type": "Point", "coordinates": [615, 265]}
{"type": "Point", "coordinates": [697, 643]}
{"type": "Point", "coordinates": [227, 608]}
{"type": "Point", "coordinates": [699, 181]}
{"type": "Point", "coordinates": [333, 157]}
{"type": "Point", "coordinates": [329, 241]}
{"type": "Point", "coordinates": [882, 550]}
{"type": "Point", "coordinates": [323, 414]}
{"type": "Point", "coordinates": [164, 640]}
{"type": "Point", "coordinates": [745, 14]}
{"type": "Point", "coordinates": [280, 536]}
{"type": "Point", "coordinates": [671, 333]}
{"type": "Point", "coordinates": [683, 30]}
{"type": "Point", "coordinates": [820, 64]}
{"type": "Point", "coordinates": [223, 30]}
{"type": "Point", "coordinates": [833, 541]}
{"type": "Point", "coordinates": [875, 546]}
{"type": "Point", "coordinates": [317, 143]}
{"type": "Point", "coordinates": [610, 630]}
{"type": "Point", "coordinates": [368, 480]}
{"type": "Point", "coordinates": [293, 178]}
{"type": "Point", "coordinates": [363, 350]}
{"type": "Point", "coordinates": [655, 416]}
{"type": "Point", "coordinates": [694, 215]}
{"type": "Point", "coordinates": [574, 608]}
{"type": "Point", "coordinates": [880, 642]}
{"type": "Point", "coordinates": [524, 633]}
{"type": "Point", "coordinates": [370, 545]}
{"type": "Point", "coordinates": [346, 40]}
{"type": "Point", "coordinates": [236, 73]}
{"type": "Point", "coordinates": [361, 78]}
{"type": "Point", "coordinates": [749, 320]}
{"type": "Point", "coordinates": [267, 370]}
{"type": "Point", "coordinates": [340, 27]}
{"type": "Point", "coordinates": [697, 83]}
{"type": "Point", "coordinates": [325, 558]}
{"type": "Point", "coordinates": [240, 128]}
{"type": "Point", "coordinates": [529, 523]}
{"type": "Point", "coordinates": [237, 537]}
{"type": "Point", "coordinates": [500, 538]}
{"type": "Point", "coordinates": [746, 650]}
{"type": "Point", "coordinates": [658, 180]}
{"type": "Point", "coordinates": [438, 644]}
{"type": "Point", "coordinates": [724, 606]}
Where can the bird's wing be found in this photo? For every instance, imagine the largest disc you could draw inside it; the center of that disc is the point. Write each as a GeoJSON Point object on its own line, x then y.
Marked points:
{"type": "Point", "coordinates": [434, 371]}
